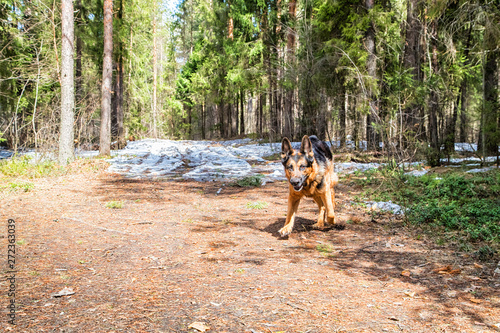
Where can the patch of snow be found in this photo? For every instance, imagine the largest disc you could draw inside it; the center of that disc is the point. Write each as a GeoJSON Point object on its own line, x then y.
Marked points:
{"type": "Point", "coordinates": [351, 167]}
{"type": "Point", "coordinates": [4, 153]}
{"type": "Point", "coordinates": [481, 169]}
{"type": "Point", "coordinates": [469, 147]}
{"type": "Point", "coordinates": [417, 173]}
{"type": "Point", "coordinates": [387, 206]}
{"type": "Point", "coordinates": [489, 159]}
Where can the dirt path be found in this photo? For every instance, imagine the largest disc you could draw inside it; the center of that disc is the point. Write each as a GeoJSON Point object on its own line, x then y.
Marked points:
{"type": "Point", "coordinates": [183, 252]}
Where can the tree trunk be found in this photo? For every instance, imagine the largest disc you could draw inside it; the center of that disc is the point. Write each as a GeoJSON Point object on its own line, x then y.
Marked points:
{"type": "Point", "coordinates": [411, 61]}
{"type": "Point", "coordinates": [288, 115]}
{"type": "Point", "coordinates": [221, 119]}
{"type": "Point", "coordinates": [237, 113]}
{"type": "Point", "coordinates": [66, 139]}
{"type": "Point", "coordinates": [342, 116]}
{"type": "Point", "coordinates": [463, 113]}
{"type": "Point", "coordinates": [262, 104]}
{"type": "Point", "coordinates": [203, 119]}
{"type": "Point", "coordinates": [78, 73]}
{"type": "Point", "coordinates": [155, 75]}
{"type": "Point", "coordinates": [355, 118]}
{"type": "Point", "coordinates": [242, 115]}
{"type": "Point", "coordinates": [119, 87]}
{"type": "Point", "coordinates": [489, 121]}
{"type": "Point", "coordinates": [229, 125]}
{"type": "Point", "coordinates": [433, 101]}
{"type": "Point", "coordinates": [372, 138]}
{"type": "Point", "coordinates": [107, 75]}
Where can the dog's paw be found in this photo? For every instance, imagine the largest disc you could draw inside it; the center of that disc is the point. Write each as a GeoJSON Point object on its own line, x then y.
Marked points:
{"type": "Point", "coordinates": [331, 220]}
{"type": "Point", "coordinates": [285, 231]}
{"type": "Point", "coordinates": [317, 225]}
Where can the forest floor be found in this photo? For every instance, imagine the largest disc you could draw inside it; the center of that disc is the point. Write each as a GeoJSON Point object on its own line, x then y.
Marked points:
{"type": "Point", "coordinates": [187, 256]}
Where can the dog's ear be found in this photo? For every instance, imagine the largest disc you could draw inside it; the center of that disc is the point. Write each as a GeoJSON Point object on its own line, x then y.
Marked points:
{"type": "Point", "coordinates": [286, 150]}
{"type": "Point", "coordinates": [306, 148]}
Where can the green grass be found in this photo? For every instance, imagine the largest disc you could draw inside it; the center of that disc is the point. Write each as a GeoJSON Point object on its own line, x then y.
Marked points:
{"type": "Point", "coordinates": [257, 205]}
{"type": "Point", "coordinates": [250, 181]}
{"type": "Point", "coordinates": [467, 205]}
{"type": "Point", "coordinates": [24, 166]}
{"type": "Point", "coordinates": [20, 186]}
{"type": "Point", "coordinates": [114, 204]}
{"type": "Point", "coordinates": [324, 248]}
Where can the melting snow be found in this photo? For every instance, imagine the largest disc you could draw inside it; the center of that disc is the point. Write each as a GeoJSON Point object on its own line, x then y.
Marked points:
{"type": "Point", "coordinates": [388, 206]}
{"type": "Point", "coordinates": [211, 160]}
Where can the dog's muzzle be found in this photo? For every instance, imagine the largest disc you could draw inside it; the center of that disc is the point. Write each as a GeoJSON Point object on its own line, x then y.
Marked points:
{"type": "Point", "coordinates": [297, 183]}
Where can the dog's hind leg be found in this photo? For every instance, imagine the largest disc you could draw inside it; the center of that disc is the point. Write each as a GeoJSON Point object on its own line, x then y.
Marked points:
{"type": "Point", "coordinates": [321, 217]}
{"type": "Point", "coordinates": [293, 205]}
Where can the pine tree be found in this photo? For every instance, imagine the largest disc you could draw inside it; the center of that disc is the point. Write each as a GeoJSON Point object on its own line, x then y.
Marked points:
{"type": "Point", "coordinates": [66, 144]}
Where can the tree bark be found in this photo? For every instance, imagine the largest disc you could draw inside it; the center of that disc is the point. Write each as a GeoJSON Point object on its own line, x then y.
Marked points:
{"type": "Point", "coordinates": [411, 61]}
{"type": "Point", "coordinates": [489, 122]}
{"type": "Point", "coordinates": [342, 116]}
{"type": "Point", "coordinates": [107, 75]}
{"type": "Point", "coordinates": [66, 139]}
{"type": "Point", "coordinates": [289, 124]}
{"type": "Point", "coordinates": [120, 131]}
{"type": "Point", "coordinates": [433, 99]}
{"type": "Point", "coordinates": [371, 65]}
{"type": "Point", "coordinates": [155, 75]}
{"type": "Point", "coordinates": [242, 115]}
{"type": "Point", "coordinates": [78, 72]}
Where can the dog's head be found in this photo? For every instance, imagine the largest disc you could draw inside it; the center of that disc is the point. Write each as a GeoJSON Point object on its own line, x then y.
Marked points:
{"type": "Point", "coordinates": [298, 164]}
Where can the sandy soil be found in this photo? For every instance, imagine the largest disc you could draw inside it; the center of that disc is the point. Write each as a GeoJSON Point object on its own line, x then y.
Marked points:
{"type": "Point", "coordinates": [184, 252]}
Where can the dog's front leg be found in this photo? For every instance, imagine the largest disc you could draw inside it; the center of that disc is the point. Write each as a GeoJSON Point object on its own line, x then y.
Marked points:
{"type": "Point", "coordinates": [293, 205]}
{"type": "Point", "coordinates": [330, 206]}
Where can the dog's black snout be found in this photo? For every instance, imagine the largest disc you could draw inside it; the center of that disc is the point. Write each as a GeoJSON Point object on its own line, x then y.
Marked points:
{"type": "Point", "coordinates": [294, 181]}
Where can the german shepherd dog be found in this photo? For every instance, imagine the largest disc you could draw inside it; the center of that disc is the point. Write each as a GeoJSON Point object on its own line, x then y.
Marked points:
{"type": "Point", "coordinates": [310, 173]}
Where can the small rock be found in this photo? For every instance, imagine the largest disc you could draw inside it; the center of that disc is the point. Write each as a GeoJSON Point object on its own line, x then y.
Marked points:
{"type": "Point", "coordinates": [199, 326]}
{"type": "Point", "coordinates": [65, 292]}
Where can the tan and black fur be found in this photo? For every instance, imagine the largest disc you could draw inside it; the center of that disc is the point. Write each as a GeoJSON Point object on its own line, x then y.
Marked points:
{"type": "Point", "coordinates": [310, 173]}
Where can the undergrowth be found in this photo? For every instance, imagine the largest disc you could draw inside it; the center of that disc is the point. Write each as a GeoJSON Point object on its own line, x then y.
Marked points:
{"type": "Point", "coordinates": [468, 205]}
{"type": "Point", "coordinates": [250, 181]}
{"type": "Point", "coordinates": [26, 167]}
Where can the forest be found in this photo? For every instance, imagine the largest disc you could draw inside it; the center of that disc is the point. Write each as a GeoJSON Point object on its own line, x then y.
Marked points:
{"type": "Point", "coordinates": [142, 186]}
{"type": "Point", "coordinates": [402, 76]}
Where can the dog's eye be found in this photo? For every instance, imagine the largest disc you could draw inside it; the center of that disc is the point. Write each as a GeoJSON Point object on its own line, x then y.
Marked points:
{"type": "Point", "coordinates": [290, 167]}
{"type": "Point", "coordinates": [302, 167]}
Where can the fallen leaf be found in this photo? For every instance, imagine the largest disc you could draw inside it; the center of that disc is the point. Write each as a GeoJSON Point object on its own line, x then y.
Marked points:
{"type": "Point", "coordinates": [476, 300]}
{"type": "Point", "coordinates": [394, 318]}
{"type": "Point", "coordinates": [442, 269]}
{"type": "Point", "coordinates": [199, 326]}
{"type": "Point", "coordinates": [406, 273]}
{"type": "Point", "coordinates": [477, 265]}
{"type": "Point", "coordinates": [410, 293]}
{"type": "Point", "coordinates": [447, 270]}
{"type": "Point", "coordinates": [65, 292]}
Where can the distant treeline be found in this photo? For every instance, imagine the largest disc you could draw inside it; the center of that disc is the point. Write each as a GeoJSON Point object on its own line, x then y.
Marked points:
{"type": "Point", "coordinates": [416, 75]}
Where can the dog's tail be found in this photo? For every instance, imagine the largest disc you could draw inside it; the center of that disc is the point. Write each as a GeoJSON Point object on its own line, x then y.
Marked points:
{"type": "Point", "coordinates": [321, 146]}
